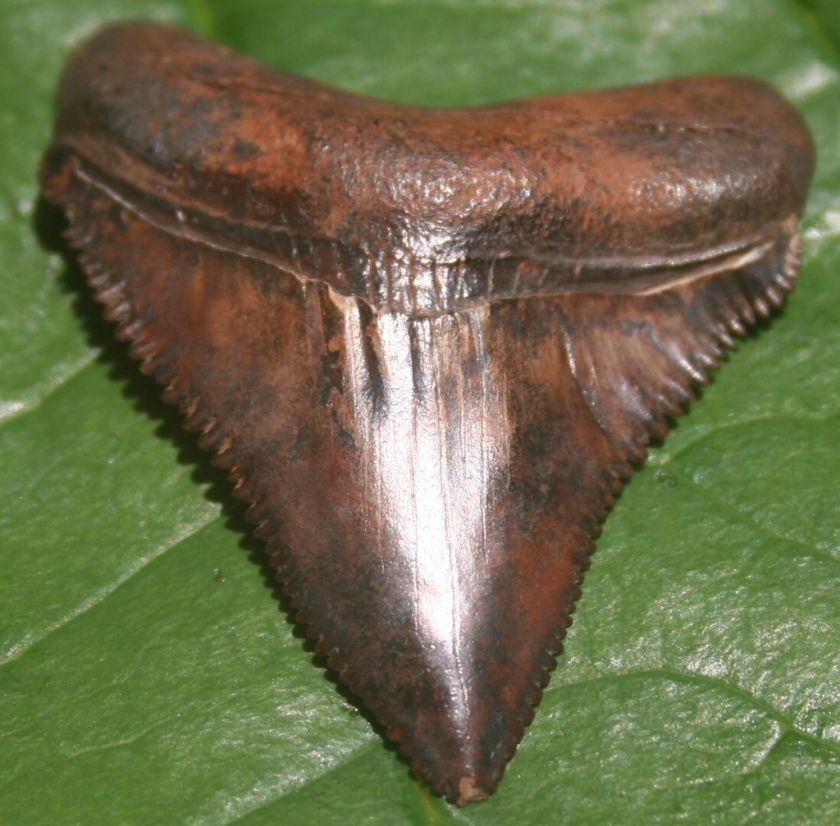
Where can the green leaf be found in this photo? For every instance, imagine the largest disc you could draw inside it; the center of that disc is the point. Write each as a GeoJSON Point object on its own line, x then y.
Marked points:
{"type": "Point", "coordinates": [147, 674]}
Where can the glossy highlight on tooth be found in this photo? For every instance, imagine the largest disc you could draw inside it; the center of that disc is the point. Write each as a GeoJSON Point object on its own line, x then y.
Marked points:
{"type": "Point", "coordinates": [428, 345]}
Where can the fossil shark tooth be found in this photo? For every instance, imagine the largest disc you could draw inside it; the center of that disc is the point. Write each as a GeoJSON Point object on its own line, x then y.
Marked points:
{"type": "Point", "coordinates": [429, 345]}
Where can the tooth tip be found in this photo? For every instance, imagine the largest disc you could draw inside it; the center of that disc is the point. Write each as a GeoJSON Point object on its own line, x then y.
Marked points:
{"type": "Point", "coordinates": [471, 790]}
